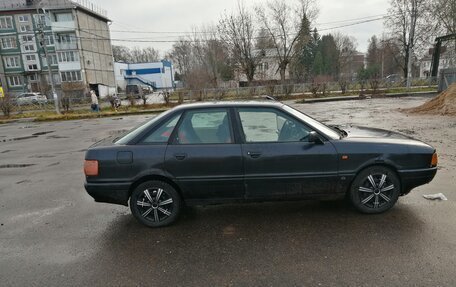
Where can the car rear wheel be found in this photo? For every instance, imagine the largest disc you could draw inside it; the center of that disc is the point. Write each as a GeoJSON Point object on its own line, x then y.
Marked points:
{"type": "Point", "coordinates": [155, 203]}
{"type": "Point", "coordinates": [375, 190]}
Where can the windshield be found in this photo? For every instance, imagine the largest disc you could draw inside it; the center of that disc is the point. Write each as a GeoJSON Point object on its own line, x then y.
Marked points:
{"type": "Point", "coordinates": [126, 138]}
{"type": "Point", "coordinates": [329, 132]}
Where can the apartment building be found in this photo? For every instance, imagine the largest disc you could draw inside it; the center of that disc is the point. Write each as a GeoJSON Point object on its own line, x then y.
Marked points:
{"type": "Point", "coordinates": [77, 40]}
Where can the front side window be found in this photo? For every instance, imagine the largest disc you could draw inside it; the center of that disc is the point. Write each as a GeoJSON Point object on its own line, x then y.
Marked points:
{"type": "Point", "coordinates": [270, 125]}
{"type": "Point", "coordinates": [210, 126]}
{"type": "Point", "coordinates": [162, 133]}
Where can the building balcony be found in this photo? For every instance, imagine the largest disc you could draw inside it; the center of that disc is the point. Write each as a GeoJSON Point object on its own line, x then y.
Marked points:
{"type": "Point", "coordinates": [66, 46]}
{"type": "Point", "coordinates": [63, 26]}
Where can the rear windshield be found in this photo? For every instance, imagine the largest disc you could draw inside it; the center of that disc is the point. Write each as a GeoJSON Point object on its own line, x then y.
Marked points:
{"type": "Point", "coordinates": [126, 138]}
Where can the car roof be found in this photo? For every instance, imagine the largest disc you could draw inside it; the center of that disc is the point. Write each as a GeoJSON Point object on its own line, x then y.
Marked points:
{"type": "Point", "coordinates": [224, 104]}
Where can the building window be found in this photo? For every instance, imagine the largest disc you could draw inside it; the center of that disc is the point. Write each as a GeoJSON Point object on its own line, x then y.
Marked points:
{"type": "Point", "coordinates": [29, 47]}
{"type": "Point", "coordinates": [71, 76]}
{"type": "Point", "coordinates": [32, 78]}
{"type": "Point", "coordinates": [49, 40]}
{"type": "Point", "coordinates": [30, 57]}
{"type": "Point", "coordinates": [70, 56]}
{"type": "Point", "coordinates": [9, 43]}
{"type": "Point", "coordinates": [23, 18]}
{"type": "Point", "coordinates": [14, 81]}
{"type": "Point", "coordinates": [53, 60]}
{"type": "Point", "coordinates": [11, 62]}
{"type": "Point", "coordinates": [66, 38]}
{"type": "Point", "coordinates": [26, 28]}
{"type": "Point", "coordinates": [6, 22]}
{"type": "Point", "coordinates": [63, 17]}
{"type": "Point", "coordinates": [32, 67]}
{"type": "Point", "coordinates": [27, 38]}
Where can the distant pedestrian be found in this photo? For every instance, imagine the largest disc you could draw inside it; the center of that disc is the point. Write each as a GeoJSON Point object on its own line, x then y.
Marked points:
{"type": "Point", "coordinates": [95, 107]}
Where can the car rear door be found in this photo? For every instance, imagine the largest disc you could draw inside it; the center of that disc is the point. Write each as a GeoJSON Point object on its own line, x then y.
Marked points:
{"type": "Point", "coordinates": [204, 158]}
{"type": "Point", "coordinates": [279, 161]}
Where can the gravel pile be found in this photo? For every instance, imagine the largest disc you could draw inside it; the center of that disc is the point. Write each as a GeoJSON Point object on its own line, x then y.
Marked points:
{"type": "Point", "coordinates": [443, 104]}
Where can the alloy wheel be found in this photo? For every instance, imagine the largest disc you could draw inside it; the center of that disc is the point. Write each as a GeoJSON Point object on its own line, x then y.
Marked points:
{"type": "Point", "coordinates": [376, 190]}
{"type": "Point", "coordinates": [155, 204]}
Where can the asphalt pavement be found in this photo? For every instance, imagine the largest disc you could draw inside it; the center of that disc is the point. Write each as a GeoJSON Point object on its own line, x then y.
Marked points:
{"type": "Point", "coordinates": [53, 234]}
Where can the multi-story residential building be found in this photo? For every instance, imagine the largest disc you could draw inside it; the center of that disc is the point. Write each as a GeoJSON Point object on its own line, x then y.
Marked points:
{"type": "Point", "coordinates": [77, 40]}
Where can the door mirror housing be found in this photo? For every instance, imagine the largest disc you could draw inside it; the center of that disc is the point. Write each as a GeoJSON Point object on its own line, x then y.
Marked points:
{"type": "Point", "coordinates": [314, 138]}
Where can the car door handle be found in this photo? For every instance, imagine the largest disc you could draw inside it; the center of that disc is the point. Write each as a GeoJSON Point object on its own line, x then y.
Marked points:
{"type": "Point", "coordinates": [180, 156]}
{"type": "Point", "coordinates": [254, 154]}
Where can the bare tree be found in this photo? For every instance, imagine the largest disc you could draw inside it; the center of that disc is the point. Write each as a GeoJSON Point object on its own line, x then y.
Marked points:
{"type": "Point", "coordinates": [445, 12]}
{"type": "Point", "coordinates": [346, 47]}
{"type": "Point", "coordinates": [135, 55]}
{"type": "Point", "coordinates": [181, 54]}
{"type": "Point", "coordinates": [409, 25]}
{"type": "Point", "coordinates": [284, 22]}
{"type": "Point", "coordinates": [237, 31]}
{"type": "Point", "coordinates": [202, 59]}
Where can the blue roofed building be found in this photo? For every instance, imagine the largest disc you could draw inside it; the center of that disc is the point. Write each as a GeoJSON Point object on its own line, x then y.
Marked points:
{"type": "Point", "coordinates": [156, 75]}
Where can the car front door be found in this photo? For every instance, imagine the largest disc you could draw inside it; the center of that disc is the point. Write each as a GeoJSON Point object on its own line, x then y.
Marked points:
{"type": "Point", "coordinates": [204, 158]}
{"type": "Point", "coordinates": [279, 161]}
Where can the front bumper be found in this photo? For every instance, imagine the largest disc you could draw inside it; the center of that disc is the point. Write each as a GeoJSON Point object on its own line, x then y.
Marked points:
{"type": "Point", "coordinates": [416, 177]}
{"type": "Point", "coordinates": [116, 193]}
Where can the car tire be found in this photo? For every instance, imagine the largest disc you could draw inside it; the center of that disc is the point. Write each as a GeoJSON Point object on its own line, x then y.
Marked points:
{"type": "Point", "coordinates": [375, 190]}
{"type": "Point", "coordinates": [155, 203]}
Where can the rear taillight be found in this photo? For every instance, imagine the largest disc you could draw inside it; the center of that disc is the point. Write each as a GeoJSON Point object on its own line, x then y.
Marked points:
{"type": "Point", "coordinates": [434, 160]}
{"type": "Point", "coordinates": [91, 167]}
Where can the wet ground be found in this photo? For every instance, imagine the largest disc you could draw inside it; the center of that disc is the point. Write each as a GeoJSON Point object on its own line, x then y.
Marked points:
{"type": "Point", "coordinates": [53, 234]}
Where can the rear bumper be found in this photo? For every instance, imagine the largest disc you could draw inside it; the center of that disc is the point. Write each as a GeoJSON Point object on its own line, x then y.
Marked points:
{"type": "Point", "coordinates": [416, 177]}
{"type": "Point", "coordinates": [116, 193]}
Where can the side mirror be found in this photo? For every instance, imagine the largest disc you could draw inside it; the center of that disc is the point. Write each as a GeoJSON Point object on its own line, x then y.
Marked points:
{"type": "Point", "coordinates": [314, 138]}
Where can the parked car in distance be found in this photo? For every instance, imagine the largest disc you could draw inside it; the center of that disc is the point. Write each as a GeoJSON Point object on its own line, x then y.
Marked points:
{"type": "Point", "coordinates": [394, 78]}
{"type": "Point", "coordinates": [31, 98]}
{"type": "Point", "coordinates": [211, 153]}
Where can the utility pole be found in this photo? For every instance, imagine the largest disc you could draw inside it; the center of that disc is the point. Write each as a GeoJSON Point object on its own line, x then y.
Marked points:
{"type": "Point", "coordinates": [42, 41]}
{"type": "Point", "coordinates": [411, 43]}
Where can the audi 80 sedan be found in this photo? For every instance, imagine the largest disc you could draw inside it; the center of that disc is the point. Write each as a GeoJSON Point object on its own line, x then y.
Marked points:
{"type": "Point", "coordinates": [211, 153]}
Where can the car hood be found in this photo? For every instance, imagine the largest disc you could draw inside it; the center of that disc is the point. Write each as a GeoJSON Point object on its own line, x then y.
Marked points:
{"type": "Point", "coordinates": [365, 132]}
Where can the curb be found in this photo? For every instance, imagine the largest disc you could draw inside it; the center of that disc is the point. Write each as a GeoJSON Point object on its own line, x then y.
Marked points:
{"type": "Point", "coordinates": [378, 96]}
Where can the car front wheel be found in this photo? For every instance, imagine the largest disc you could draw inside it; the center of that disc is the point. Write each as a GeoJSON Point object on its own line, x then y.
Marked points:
{"type": "Point", "coordinates": [155, 203]}
{"type": "Point", "coordinates": [375, 190]}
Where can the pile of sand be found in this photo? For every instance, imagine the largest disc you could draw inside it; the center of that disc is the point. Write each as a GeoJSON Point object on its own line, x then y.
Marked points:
{"type": "Point", "coordinates": [443, 104]}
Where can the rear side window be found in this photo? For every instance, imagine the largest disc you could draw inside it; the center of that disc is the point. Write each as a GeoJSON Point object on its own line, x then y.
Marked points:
{"type": "Point", "coordinates": [205, 127]}
{"type": "Point", "coordinates": [162, 134]}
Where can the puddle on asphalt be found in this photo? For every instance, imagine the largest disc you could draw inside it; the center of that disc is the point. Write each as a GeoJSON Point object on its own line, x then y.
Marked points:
{"type": "Point", "coordinates": [16, 165]}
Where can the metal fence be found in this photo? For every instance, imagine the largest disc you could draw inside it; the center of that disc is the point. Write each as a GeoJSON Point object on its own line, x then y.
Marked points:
{"type": "Point", "coordinates": [299, 90]}
{"type": "Point", "coordinates": [302, 89]}
{"type": "Point", "coordinates": [447, 77]}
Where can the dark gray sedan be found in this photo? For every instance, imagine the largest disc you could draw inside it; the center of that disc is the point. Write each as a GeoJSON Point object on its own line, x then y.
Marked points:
{"type": "Point", "coordinates": [210, 153]}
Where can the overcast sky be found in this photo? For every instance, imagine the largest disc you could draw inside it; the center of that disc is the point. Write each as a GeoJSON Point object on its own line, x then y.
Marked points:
{"type": "Point", "coordinates": [182, 15]}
